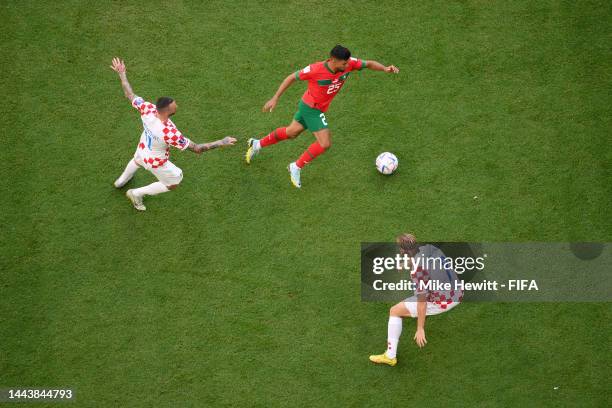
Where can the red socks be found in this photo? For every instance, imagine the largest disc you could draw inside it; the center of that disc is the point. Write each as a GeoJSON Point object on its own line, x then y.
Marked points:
{"type": "Point", "coordinates": [309, 155]}
{"type": "Point", "coordinates": [279, 134]}
{"type": "Point", "coordinates": [274, 137]}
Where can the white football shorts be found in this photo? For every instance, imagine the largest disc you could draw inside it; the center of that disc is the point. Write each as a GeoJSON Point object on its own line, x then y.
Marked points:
{"type": "Point", "coordinates": [168, 174]}
{"type": "Point", "coordinates": [432, 308]}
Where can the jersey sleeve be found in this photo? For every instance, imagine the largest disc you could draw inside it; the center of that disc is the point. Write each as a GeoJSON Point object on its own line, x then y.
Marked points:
{"type": "Point", "coordinates": [144, 107]}
{"type": "Point", "coordinates": [173, 137]}
{"type": "Point", "coordinates": [356, 64]}
{"type": "Point", "coordinates": [304, 74]}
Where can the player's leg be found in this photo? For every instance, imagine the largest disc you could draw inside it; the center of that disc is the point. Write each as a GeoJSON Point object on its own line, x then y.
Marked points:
{"type": "Point", "coordinates": [131, 169]}
{"type": "Point", "coordinates": [316, 149]}
{"type": "Point", "coordinates": [169, 176]}
{"type": "Point", "coordinates": [394, 331]}
{"type": "Point", "coordinates": [289, 132]}
{"type": "Point", "coordinates": [277, 135]}
{"type": "Point", "coordinates": [316, 122]}
{"type": "Point", "coordinates": [394, 327]}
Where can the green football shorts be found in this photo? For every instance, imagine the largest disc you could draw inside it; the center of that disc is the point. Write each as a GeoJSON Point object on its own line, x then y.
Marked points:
{"type": "Point", "coordinates": [312, 119]}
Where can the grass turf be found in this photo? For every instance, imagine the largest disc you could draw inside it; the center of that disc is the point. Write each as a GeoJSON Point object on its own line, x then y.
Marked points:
{"type": "Point", "coordinates": [239, 289]}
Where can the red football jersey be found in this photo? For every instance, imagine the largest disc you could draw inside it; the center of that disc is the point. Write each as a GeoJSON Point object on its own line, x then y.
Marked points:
{"type": "Point", "coordinates": [323, 84]}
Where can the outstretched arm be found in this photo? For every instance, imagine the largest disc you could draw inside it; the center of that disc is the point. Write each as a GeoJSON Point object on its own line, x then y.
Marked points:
{"type": "Point", "coordinates": [271, 104]}
{"type": "Point", "coordinates": [377, 66]}
{"type": "Point", "coordinates": [119, 67]}
{"type": "Point", "coordinates": [203, 147]}
{"type": "Point", "coordinates": [419, 336]}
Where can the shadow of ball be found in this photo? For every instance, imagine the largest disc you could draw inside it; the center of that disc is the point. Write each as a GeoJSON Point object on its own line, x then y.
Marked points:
{"type": "Point", "coordinates": [587, 250]}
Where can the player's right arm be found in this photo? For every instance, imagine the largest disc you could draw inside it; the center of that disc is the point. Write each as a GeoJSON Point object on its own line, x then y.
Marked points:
{"type": "Point", "coordinates": [119, 67]}
{"type": "Point", "coordinates": [419, 336]}
{"type": "Point", "coordinates": [271, 104]}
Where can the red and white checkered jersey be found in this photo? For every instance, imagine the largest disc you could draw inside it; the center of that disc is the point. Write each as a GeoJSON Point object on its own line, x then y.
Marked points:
{"type": "Point", "coordinates": [157, 136]}
{"type": "Point", "coordinates": [431, 269]}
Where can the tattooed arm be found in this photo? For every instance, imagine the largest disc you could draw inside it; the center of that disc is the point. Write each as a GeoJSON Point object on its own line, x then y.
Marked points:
{"type": "Point", "coordinates": [203, 147]}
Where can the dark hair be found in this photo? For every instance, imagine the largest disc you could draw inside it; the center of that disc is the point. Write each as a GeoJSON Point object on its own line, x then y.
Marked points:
{"type": "Point", "coordinates": [340, 52]}
{"type": "Point", "coordinates": [163, 102]}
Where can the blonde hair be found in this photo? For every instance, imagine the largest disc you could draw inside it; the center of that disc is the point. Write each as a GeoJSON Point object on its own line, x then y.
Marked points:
{"type": "Point", "coordinates": [407, 241]}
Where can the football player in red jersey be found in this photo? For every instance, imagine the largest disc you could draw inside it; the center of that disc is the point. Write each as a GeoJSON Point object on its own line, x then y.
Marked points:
{"type": "Point", "coordinates": [325, 79]}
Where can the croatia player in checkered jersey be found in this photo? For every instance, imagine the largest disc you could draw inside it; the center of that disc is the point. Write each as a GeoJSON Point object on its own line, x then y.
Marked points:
{"type": "Point", "coordinates": [153, 151]}
{"type": "Point", "coordinates": [423, 303]}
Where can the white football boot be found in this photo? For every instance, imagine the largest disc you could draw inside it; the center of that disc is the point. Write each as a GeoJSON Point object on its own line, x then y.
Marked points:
{"type": "Point", "coordinates": [136, 201]}
{"type": "Point", "coordinates": [253, 150]}
{"type": "Point", "coordinates": [294, 172]}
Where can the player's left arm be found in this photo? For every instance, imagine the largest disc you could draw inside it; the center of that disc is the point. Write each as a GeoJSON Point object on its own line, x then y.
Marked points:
{"type": "Point", "coordinates": [377, 66]}
{"type": "Point", "coordinates": [204, 147]}
{"type": "Point", "coordinates": [419, 336]}
{"type": "Point", "coordinates": [119, 67]}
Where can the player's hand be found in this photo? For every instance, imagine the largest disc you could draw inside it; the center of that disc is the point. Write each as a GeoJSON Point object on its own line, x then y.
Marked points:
{"type": "Point", "coordinates": [419, 338]}
{"type": "Point", "coordinates": [392, 69]}
{"type": "Point", "coordinates": [228, 141]}
{"type": "Point", "coordinates": [118, 66]}
{"type": "Point", "coordinates": [270, 105]}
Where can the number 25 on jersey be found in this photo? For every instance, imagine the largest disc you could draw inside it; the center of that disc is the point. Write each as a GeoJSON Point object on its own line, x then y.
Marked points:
{"type": "Point", "coordinates": [334, 88]}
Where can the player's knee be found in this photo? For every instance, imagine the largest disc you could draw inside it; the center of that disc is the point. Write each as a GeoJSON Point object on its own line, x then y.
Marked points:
{"type": "Point", "coordinates": [292, 132]}
{"type": "Point", "coordinates": [397, 310]}
{"type": "Point", "coordinates": [325, 144]}
{"type": "Point", "coordinates": [173, 182]}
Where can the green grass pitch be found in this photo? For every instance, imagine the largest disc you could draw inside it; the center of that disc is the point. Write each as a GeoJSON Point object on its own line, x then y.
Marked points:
{"type": "Point", "coordinates": [239, 290]}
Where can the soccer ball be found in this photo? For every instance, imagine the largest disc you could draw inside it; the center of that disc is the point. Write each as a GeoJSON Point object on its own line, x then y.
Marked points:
{"type": "Point", "coordinates": [386, 163]}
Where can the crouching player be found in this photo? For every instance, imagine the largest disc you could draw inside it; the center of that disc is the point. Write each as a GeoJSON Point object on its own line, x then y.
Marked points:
{"type": "Point", "coordinates": [424, 302]}
{"type": "Point", "coordinates": [153, 151]}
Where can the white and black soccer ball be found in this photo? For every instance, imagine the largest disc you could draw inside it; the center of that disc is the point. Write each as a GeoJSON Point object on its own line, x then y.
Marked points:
{"type": "Point", "coordinates": [386, 163]}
